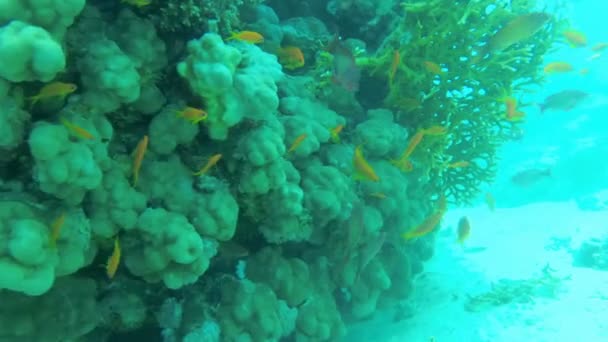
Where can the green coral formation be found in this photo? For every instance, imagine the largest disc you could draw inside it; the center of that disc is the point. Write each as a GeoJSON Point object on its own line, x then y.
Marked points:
{"type": "Point", "coordinates": [193, 17]}
{"type": "Point", "coordinates": [466, 94]}
{"type": "Point", "coordinates": [222, 191]}
{"type": "Point", "coordinates": [521, 291]}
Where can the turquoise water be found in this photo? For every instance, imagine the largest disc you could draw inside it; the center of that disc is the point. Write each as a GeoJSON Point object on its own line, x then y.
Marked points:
{"type": "Point", "coordinates": [286, 170]}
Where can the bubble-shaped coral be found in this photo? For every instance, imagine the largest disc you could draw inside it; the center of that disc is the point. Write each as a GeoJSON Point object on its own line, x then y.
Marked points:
{"type": "Point", "coordinates": [328, 194]}
{"type": "Point", "coordinates": [29, 53]}
{"type": "Point", "coordinates": [288, 277]}
{"type": "Point", "coordinates": [164, 246]}
{"type": "Point", "coordinates": [63, 168]}
{"type": "Point", "coordinates": [236, 81]}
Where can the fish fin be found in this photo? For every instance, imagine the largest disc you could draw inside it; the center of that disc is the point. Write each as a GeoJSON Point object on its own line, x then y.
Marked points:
{"type": "Point", "coordinates": [358, 176]}
{"type": "Point", "coordinates": [540, 107]}
{"type": "Point", "coordinates": [33, 100]}
{"type": "Point", "coordinates": [232, 36]}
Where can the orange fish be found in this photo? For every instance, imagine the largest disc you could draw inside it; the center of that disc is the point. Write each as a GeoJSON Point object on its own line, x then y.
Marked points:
{"type": "Point", "coordinates": [56, 229]}
{"type": "Point", "coordinates": [433, 67]}
{"type": "Point", "coordinates": [464, 230]}
{"type": "Point", "coordinates": [378, 195]}
{"type": "Point", "coordinates": [76, 130]}
{"type": "Point", "coordinates": [584, 71]}
{"type": "Point", "coordinates": [55, 89]}
{"type": "Point", "coordinates": [558, 67]}
{"type": "Point", "coordinates": [403, 163]}
{"type": "Point", "coordinates": [138, 3]}
{"type": "Point", "coordinates": [435, 130]}
{"type": "Point", "coordinates": [297, 142]}
{"type": "Point", "coordinates": [575, 38]}
{"type": "Point", "coordinates": [394, 66]}
{"type": "Point", "coordinates": [490, 201]}
{"type": "Point", "coordinates": [363, 171]}
{"type": "Point", "coordinates": [408, 104]}
{"type": "Point", "coordinates": [291, 57]}
{"type": "Point", "coordinates": [429, 224]}
{"type": "Point", "coordinates": [335, 133]}
{"type": "Point", "coordinates": [512, 114]}
{"type": "Point", "coordinates": [458, 164]}
{"type": "Point", "coordinates": [210, 163]}
{"type": "Point", "coordinates": [414, 141]}
{"type": "Point", "coordinates": [247, 36]}
{"type": "Point", "coordinates": [113, 260]}
{"type": "Point", "coordinates": [138, 157]}
{"type": "Point", "coordinates": [194, 115]}
{"type": "Point", "coordinates": [599, 47]}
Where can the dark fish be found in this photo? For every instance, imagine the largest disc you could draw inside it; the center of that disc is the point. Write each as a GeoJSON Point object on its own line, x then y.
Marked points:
{"type": "Point", "coordinates": [345, 71]}
{"type": "Point", "coordinates": [529, 177]}
{"type": "Point", "coordinates": [464, 230]}
{"type": "Point", "coordinates": [369, 251]}
{"type": "Point", "coordinates": [564, 100]}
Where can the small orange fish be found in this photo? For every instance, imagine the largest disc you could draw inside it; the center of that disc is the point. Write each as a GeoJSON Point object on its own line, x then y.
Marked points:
{"type": "Point", "coordinates": [490, 201]}
{"type": "Point", "coordinates": [584, 71]}
{"type": "Point", "coordinates": [138, 3]}
{"type": "Point", "coordinates": [575, 38]}
{"type": "Point", "coordinates": [429, 224]}
{"type": "Point", "coordinates": [138, 157]}
{"type": "Point", "coordinates": [291, 57]}
{"type": "Point", "coordinates": [363, 170]}
{"type": "Point", "coordinates": [378, 195]}
{"type": "Point", "coordinates": [403, 163]}
{"type": "Point", "coordinates": [558, 67]}
{"type": "Point", "coordinates": [411, 146]}
{"type": "Point", "coordinates": [76, 130]}
{"type": "Point", "coordinates": [113, 260]}
{"type": "Point", "coordinates": [408, 104]}
{"type": "Point", "coordinates": [512, 114]}
{"type": "Point", "coordinates": [335, 133]}
{"type": "Point", "coordinates": [210, 163]}
{"type": "Point", "coordinates": [55, 89]}
{"type": "Point", "coordinates": [394, 67]}
{"type": "Point", "coordinates": [247, 36]}
{"type": "Point", "coordinates": [297, 142]}
{"type": "Point", "coordinates": [194, 115]}
{"type": "Point", "coordinates": [435, 130]}
{"type": "Point", "coordinates": [56, 226]}
{"type": "Point", "coordinates": [464, 230]}
{"type": "Point", "coordinates": [599, 47]}
{"type": "Point", "coordinates": [433, 67]}
{"type": "Point", "coordinates": [458, 164]}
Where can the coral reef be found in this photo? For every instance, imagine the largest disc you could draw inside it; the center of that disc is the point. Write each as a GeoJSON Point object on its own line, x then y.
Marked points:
{"type": "Point", "coordinates": [209, 156]}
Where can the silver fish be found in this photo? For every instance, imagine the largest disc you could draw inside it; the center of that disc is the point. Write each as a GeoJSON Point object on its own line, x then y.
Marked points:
{"type": "Point", "coordinates": [528, 177]}
{"type": "Point", "coordinates": [564, 100]}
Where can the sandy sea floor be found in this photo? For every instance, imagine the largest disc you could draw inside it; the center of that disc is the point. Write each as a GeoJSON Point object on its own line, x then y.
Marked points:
{"type": "Point", "coordinates": [515, 243]}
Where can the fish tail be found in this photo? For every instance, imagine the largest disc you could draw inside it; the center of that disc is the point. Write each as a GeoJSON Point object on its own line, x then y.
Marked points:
{"type": "Point", "coordinates": [33, 100]}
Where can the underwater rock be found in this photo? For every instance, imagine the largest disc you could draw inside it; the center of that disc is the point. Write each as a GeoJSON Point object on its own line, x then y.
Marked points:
{"type": "Point", "coordinates": [592, 253]}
